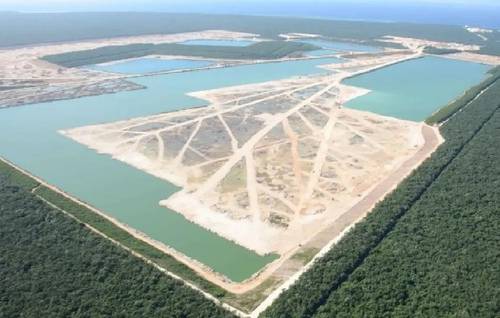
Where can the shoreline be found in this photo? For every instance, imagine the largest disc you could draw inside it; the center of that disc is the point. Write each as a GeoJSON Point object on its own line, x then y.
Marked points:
{"type": "Point", "coordinates": [157, 37]}
{"type": "Point", "coordinates": [490, 60]}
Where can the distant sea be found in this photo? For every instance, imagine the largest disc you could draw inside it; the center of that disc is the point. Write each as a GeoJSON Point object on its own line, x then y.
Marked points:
{"type": "Point", "coordinates": [472, 14]}
{"type": "Point", "coordinates": [487, 16]}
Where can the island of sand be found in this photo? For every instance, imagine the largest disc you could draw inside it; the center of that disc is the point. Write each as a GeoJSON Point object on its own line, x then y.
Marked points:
{"type": "Point", "coordinates": [266, 165]}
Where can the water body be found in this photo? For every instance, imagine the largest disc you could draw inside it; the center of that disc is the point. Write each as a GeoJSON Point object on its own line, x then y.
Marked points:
{"type": "Point", "coordinates": [29, 138]}
{"type": "Point", "coordinates": [415, 89]}
{"type": "Point", "coordinates": [482, 13]}
{"type": "Point", "coordinates": [219, 42]}
{"type": "Point", "coordinates": [334, 47]}
{"type": "Point", "coordinates": [149, 65]}
{"type": "Point", "coordinates": [340, 47]}
{"type": "Point", "coordinates": [316, 53]}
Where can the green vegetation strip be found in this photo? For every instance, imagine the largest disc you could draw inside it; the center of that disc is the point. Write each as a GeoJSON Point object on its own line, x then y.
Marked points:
{"type": "Point", "coordinates": [314, 288]}
{"type": "Point", "coordinates": [267, 50]}
{"type": "Point", "coordinates": [439, 51]}
{"type": "Point", "coordinates": [446, 112]}
{"type": "Point", "coordinates": [52, 266]}
{"type": "Point", "coordinates": [33, 28]}
{"type": "Point", "coordinates": [17, 178]}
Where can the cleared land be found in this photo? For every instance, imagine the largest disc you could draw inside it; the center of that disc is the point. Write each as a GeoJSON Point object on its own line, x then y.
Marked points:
{"type": "Point", "coordinates": [278, 163]}
{"type": "Point", "coordinates": [26, 79]}
{"type": "Point", "coordinates": [274, 165]}
{"type": "Point", "coordinates": [83, 26]}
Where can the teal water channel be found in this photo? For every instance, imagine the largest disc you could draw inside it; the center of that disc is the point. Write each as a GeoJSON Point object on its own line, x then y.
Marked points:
{"type": "Point", "coordinates": [29, 138]}
{"type": "Point", "coordinates": [219, 42]}
{"type": "Point", "coordinates": [415, 89]}
{"type": "Point", "coordinates": [333, 47]}
{"type": "Point", "coordinates": [149, 65]}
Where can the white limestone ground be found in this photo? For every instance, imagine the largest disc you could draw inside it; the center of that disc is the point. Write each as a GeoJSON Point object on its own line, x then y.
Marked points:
{"type": "Point", "coordinates": [264, 165]}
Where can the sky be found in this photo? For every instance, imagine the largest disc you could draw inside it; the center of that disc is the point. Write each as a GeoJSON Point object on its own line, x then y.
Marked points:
{"type": "Point", "coordinates": [484, 13]}
{"type": "Point", "coordinates": [144, 5]}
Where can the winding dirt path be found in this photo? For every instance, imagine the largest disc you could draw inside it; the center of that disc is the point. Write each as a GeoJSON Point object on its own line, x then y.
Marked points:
{"type": "Point", "coordinates": [319, 160]}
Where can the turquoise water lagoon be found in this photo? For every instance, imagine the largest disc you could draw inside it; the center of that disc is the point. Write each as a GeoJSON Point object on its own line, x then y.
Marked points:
{"type": "Point", "coordinates": [333, 47]}
{"type": "Point", "coordinates": [415, 89]}
{"type": "Point", "coordinates": [322, 52]}
{"type": "Point", "coordinates": [219, 42]}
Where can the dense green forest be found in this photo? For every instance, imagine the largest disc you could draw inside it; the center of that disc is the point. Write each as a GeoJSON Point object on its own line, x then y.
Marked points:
{"type": "Point", "coordinates": [53, 266]}
{"type": "Point", "coordinates": [439, 51]}
{"type": "Point", "coordinates": [333, 279]}
{"type": "Point", "coordinates": [258, 51]}
{"type": "Point", "coordinates": [493, 44]}
{"type": "Point", "coordinates": [31, 28]}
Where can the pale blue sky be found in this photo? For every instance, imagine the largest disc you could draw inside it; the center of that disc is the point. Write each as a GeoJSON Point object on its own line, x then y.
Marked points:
{"type": "Point", "coordinates": [164, 4]}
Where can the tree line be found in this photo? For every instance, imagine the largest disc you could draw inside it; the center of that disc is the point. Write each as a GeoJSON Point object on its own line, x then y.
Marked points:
{"type": "Point", "coordinates": [447, 111]}
{"type": "Point", "coordinates": [266, 50]}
